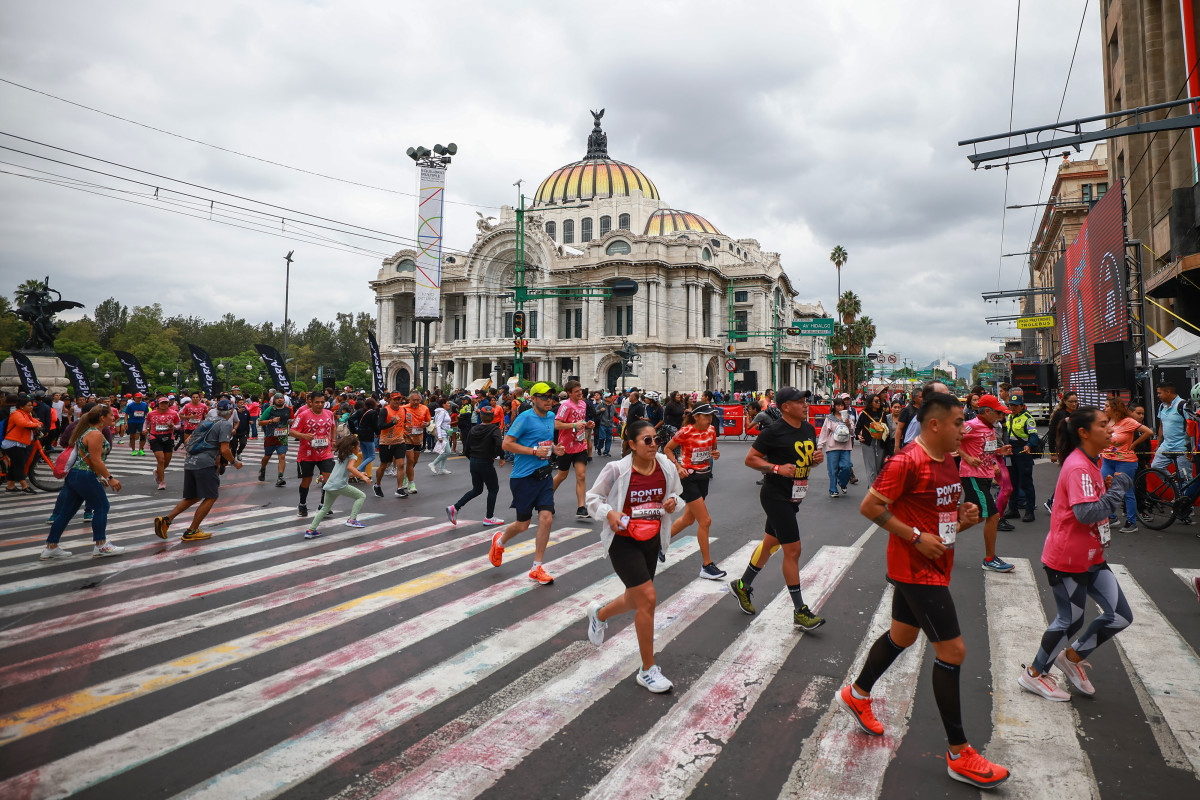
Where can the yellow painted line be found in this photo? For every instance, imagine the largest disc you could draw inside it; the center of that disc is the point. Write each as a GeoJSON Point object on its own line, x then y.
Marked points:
{"type": "Point", "coordinates": [44, 716]}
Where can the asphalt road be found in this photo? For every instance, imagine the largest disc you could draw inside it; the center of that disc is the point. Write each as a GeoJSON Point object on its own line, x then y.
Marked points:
{"type": "Point", "coordinates": [396, 662]}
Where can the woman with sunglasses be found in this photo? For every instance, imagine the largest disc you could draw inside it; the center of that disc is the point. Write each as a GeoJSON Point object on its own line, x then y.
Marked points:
{"type": "Point", "coordinates": [696, 443]}
{"type": "Point", "coordinates": [637, 496]}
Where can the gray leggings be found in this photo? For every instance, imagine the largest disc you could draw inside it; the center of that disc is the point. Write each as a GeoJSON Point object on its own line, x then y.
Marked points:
{"type": "Point", "coordinates": [1071, 591]}
{"type": "Point", "coordinates": [334, 494]}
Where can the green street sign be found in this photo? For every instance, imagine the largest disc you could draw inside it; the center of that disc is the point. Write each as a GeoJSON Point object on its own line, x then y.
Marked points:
{"type": "Point", "coordinates": [820, 326]}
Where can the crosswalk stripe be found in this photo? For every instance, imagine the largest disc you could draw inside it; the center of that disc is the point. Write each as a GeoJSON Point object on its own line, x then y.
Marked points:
{"type": "Point", "coordinates": [1038, 740]}
{"type": "Point", "coordinates": [291, 761]}
{"type": "Point", "coordinates": [675, 754]}
{"type": "Point", "coordinates": [160, 552]}
{"type": "Point", "coordinates": [134, 518]}
{"type": "Point", "coordinates": [475, 762]}
{"type": "Point", "coordinates": [90, 652]}
{"type": "Point", "coordinates": [839, 761]}
{"type": "Point", "coordinates": [45, 502]}
{"type": "Point", "coordinates": [1188, 576]}
{"type": "Point", "coordinates": [16, 536]}
{"type": "Point", "coordinates": [1165, 665]}
{"type": "Point", "coordinates": [140, 605]}
{"type": "Point", "coordinates": [170, 733]}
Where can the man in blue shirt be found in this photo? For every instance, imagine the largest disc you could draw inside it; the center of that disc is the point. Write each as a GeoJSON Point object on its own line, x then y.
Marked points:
{"type": "Point", "coordinates": [1174, 445]}
{"type": "Point", "coordinates": [135, 423]}
{"type": "Point", "coordinates": [531, 440]}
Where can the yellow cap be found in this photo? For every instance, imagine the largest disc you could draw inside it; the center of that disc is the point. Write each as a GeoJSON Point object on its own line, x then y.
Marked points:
{"type": "Point", "coordinates": [541, 388]}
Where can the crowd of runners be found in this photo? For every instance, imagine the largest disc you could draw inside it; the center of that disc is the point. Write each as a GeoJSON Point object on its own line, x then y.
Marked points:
{"type": "Point", "coordinates": [936, 466]}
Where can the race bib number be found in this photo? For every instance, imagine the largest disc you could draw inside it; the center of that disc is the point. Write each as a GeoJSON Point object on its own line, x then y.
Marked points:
{"type": "Point", "coordinates": [989, 446]}
{"type": "Point", "coordinates": [701, 457]}
{"type": "Point", "coordinates": [320, 444]}
{"type": "Point", "coordinates": [416, 430]}
{"type": "Point", "coordinates": [162, 428]}
{"type": "Point", "coordinates": [647, 511]}
{"type": "Point", "coordinates": [948, 527]}
{"type": "Point", "coordinates": [1104, 530]}
{"type": "Point", "coordinates": [581, 435]}
{"type": "Point", "coordinates": [799, 490]}
{"type": "Point", "coordinates": [139, 413]}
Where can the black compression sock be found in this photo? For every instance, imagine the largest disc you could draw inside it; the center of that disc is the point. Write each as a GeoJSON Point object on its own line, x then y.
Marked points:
{"type": "Point", "coordinates": [322, 497]}
{"type": "Point", "coordinates": [797, 596]}
{"type": "Point", "coordinates": [879, 658]}
{"type": "Point", "coordinates": [303, 495]}
{"type": "Point", "coordinates": [750, 574]}
{"type": "Point", "coordinates": [945, 692]}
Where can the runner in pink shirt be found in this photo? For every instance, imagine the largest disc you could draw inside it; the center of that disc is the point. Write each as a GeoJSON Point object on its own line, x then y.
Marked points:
{"type": "Point", "coordinates": [573, 428]}
{"type": "Point", "coordinates": [978, 467]}
{"type": "Point", "coordinates": [314, 427]}
{"type": "Point", "coordinates": [161, 425]}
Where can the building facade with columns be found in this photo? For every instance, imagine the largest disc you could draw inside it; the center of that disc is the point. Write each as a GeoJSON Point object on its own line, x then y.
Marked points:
{"type": "Point", "coordinates": [591, 223]}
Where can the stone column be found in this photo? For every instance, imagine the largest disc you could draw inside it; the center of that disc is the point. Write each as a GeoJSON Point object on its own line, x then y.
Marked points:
{"type": "Point", "coordinates": [596, 319]}
{"type": "Point", "coordinates": [652, 302]}
{"type": "Point", "coordinates": [468, 372]}
{"type": "Point", "coordinates": [587, 318]}
{"type": "Point", "coordinates": [387, 321]}
{"type": "Point", "coordinates": [714, 314]}
{"type": "Point", "coordinates": [472, 317]}
{"type": "Point", "coordinates": [641, 313]}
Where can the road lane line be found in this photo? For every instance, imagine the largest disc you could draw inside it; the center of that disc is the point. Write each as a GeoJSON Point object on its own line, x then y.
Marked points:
{"type": "Point", "coordinates": [1188, 576]}
{"type": "Point", "coordinates": [292, 761]}
{"type": "Point", "coordinates": [674, 755]}
{"type": "Point", "coordinates": [116, 755]}
{"type": "Point", "coordinates": [862, 540]}
{"type": "Point", "coordinates": [126, 608]}
{"type": "Point", "coordinates": [840, 762]}
{"type": "Point", "coordinates": [1165, 665]}
{"type": "Point", "coordinates": [90, 652]}
{"type": "Point", "coordinates": [1038, 740]}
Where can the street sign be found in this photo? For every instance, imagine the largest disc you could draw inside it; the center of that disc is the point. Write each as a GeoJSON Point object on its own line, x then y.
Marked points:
{"type": "Point", "coordinates": [887, 358]}
{"type": "Point", "coordinates": [818, 326]}
{"type": "Point", "coordinates": [730, 349]}
{"type": "Point", "coordinates": [1026, 323]}
{"type": "Point", "coordinates": [999, 358]}
{"type": "Point", "coordinates": [730, 365]}
{"type": "Point", "coordinates": [829, 367]}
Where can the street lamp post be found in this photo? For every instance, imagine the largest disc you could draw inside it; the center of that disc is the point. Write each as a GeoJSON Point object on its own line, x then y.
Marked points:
{"type": "Point", "coordinates": [667, 374]}
{"type": "Point", "coordinates": [287, 284]}
{"type": "Point", "coordinates": [108, 381]}
{"type": "Point", "coordinates": [95, 373]}
{"type": "Point", "coordinates": [225, 367]}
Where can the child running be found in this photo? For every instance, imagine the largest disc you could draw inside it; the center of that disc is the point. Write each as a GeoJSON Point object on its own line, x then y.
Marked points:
{"type": "Point", "coordinates": [346, 455]}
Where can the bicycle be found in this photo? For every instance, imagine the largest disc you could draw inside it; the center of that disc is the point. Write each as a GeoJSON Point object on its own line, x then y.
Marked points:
{"type": "Point", "coordinates": [1160, 499]}
{"type": "Point", "coordinates": [39, 468]}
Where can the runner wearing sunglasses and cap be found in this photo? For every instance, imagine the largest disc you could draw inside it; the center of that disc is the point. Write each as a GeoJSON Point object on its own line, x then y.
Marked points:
{"type": "Point", "coordinates": [531, 441]}
{"type": "Point", "coordinates": [697, 446]}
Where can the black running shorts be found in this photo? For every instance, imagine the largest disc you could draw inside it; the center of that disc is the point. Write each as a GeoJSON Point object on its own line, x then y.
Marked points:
{"type": "Point", "coordinates": [930, 608]}
{"type": "Point", "coordinates": [566, 460]}
{"type": "Point", "coordinates": [307, 468]}
{"type": "Point", "coordinates": [161, 444]}
{"type": "Point", "coordinates": [391, 452]}
{"type": "Point", "coordinates": [201, 484]}
{"type": "Point", "coordinates": [781, 516]}
{"type": "Point", "coordinates": [634, 561]}
{"type": "Point", "coordinates": [979, 492]}
{"type": "Point", "coordinates": [695, 486]}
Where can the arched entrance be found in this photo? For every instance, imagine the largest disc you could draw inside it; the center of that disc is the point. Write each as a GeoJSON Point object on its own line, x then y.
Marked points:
{"type": "Point", "coordinates": [712, 378]}
{"type": "Point", "coordinates": [613, 376]}
{"type": "Point", "coordinates": [403, 381]}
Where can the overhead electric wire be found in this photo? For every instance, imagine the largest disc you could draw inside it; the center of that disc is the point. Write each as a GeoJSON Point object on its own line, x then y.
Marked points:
{"type": "Point", "coordinates": [1011, 104]}
{"type": "Point", "coordinates": [226, 149]}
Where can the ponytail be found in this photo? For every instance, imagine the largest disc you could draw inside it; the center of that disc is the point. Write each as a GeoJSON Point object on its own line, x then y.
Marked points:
{"type": "Point", "coordinates": [1082, 419]}
{"type": "Point", "coordinates": [88, 421]}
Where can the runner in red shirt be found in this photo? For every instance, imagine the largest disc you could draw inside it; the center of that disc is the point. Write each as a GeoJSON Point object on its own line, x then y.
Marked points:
{"type": "Point", "coordinates": [314, 427]}
{"type": "Point", "coordinates": [191, 415]}
{"type": "Point", "coordinates": [697, 445]}
{"type": "Point", "coordinates": [916, 500]}
{"type": "Point", "coordinates": [161, 424]}
{"type": "Point", "coordinates": [571, 424]}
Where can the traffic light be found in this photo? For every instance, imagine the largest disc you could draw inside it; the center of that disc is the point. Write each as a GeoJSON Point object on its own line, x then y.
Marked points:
{"type": "Point", "coordinates": [521, 345]}
{"type": "Point", "coordinates": [518, 323]}
{"type": "Point", "coordinates": [794, 331]}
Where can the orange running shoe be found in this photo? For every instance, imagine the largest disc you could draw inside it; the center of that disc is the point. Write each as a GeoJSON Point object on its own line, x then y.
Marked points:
{"type": "Point", "coordinates": [540, 575]}
{"type": "Point", "coordinates": [972, 768]}
{"type": "Point", "coordinates": [861, 711]}
{"type": "Point", "coordinates": [496, 554]}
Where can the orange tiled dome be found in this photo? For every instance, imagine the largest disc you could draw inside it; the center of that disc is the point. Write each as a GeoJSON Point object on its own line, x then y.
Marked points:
{"type": "Point", "coordinates": [670, 220]}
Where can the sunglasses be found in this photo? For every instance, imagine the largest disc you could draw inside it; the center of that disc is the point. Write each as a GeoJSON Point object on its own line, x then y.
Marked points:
{"type": "Point", "coordinates": [649, 440]}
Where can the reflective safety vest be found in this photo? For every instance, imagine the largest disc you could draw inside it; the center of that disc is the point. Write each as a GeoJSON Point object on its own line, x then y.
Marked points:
{"type": "Point", "coordinates": [1020, 426]}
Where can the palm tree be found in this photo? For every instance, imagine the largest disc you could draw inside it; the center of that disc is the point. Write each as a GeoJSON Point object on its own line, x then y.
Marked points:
{"type": "Point", "coordinates": [839, 256]}
{"type": "Point", "coordinates": [849, 306]}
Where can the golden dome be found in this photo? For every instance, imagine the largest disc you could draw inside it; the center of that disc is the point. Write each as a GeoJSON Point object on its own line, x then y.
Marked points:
{"type": "Point", "coordinates": [671, 220]}
{"type": "Point", "coordinates": [593, 177]}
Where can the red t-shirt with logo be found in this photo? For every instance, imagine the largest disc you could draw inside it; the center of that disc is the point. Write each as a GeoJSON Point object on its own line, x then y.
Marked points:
{"type": "Point", "coordinates": [923, 493]}
{"type": "Point", "coordinates": [644, 500]}
{"type": "Point", "coordinates": [322, 426]}
{"type": "Point", "coordinates": [574, 441]}
{"type": "Point", "coordinates": [1072, 546]}
{"type": "Point", "coordinates": [162, 423]}
{"type": "Point", "coordinates": [695, 447]}
{"type": "Point", "coordinates": [978, 441]}
{"type": "Point", "coordinates": [192, 415]}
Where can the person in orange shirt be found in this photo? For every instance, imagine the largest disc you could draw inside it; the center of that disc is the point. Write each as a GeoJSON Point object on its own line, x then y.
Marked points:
{"type": "Point", "coordinates": [18, 437]}
{"type": "Point", "coordinates": [391, 422]}
{"type": "Point", "coordinates": [416, 418]}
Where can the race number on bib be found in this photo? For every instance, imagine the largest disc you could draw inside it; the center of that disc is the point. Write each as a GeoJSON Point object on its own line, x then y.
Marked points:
{"type": "Point", "coordinates": [1105, 532]}
{"type": "Point", "coordinates": [989, 446]}
{"type": "Point", "coordinates": [799, 490]}
{"type": "Point", "coordinates": [948, 526]}
{"type": "Point", "coordinates": [416, 430]}
{"type": "Point", "coordinates": [647, 511]}
{"type": "Point", "coordinates": [701, 456]}
{"type": "Point", "coordinates": [320, 444]}
{"type": "Point", "coordinates": [162, 428]}
{"type": "Point", "coordinates": [139, 413]}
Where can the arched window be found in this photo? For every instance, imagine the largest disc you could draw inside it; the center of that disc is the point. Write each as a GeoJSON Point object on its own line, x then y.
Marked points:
{"type": "Point", "coordinates": [618, 248]}
{"type": "Point", "coordinates": [550, 229]}
{"type": "Point", "coordinates": [623, 222]}
{"type": "Point", "coordinates": [406, 266]}
{"type": "Point", "coordinates": [585, 230]}
{"type": "Point", "coordinates": [706, 254]}
{"type": "Point", "coordinates": [605, 224]}
{"type": "Point", "coordinates": [568, 231]}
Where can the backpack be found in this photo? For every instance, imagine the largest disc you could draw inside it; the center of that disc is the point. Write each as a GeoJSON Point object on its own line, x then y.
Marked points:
{"type": "Point", "coordinates": [198, 442]}
{"type": "Point", "coordinates": [774, 413]}
{"type": "Point", "coordinates": [841, 433]}
{"type": "Point", "coordinates": [64, 462]}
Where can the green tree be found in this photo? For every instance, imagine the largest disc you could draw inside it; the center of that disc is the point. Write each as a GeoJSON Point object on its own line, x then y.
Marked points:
{"type": "Point", "coordinates": [358, 375]}
{"type": "Point", "coordinates": [839, 257]}
{"type": "Point", "coordinates": [111, 318]}
{"type": "Point", "coordinates": [977, 369]}
{"type": "Point", "coordinates": [13, 331]}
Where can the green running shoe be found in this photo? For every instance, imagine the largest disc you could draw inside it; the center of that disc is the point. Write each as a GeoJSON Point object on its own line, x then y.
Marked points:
{"type": "Point", "coordinates": [805, 620]}
{"type": "Point", "coordinates": [742, 593]}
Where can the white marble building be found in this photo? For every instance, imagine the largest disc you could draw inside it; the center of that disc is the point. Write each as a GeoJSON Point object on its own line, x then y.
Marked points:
{"type": "Point", "coordinates": [693, 282]}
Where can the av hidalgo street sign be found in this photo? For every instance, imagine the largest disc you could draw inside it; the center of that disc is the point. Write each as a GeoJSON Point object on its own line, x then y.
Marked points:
{"type": "Point", "coordinates": [820, 326]}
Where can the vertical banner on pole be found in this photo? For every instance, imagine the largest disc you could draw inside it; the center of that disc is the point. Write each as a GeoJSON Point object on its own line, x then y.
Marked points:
{"type": "Point", "coordinates": [376, 364]}
{"type": "Point", "coordinates": [77, 374]}
{"type": "Point", "coordinates": [431, 197]}
{"type": "Point", "coordinates": [133, 368]}
{"type": "Point", "coordinates": [29, 379]}
{"type": "Point", "coordinates": [276, 367]}
{"type": "Point", "coordinates": [204, 369]}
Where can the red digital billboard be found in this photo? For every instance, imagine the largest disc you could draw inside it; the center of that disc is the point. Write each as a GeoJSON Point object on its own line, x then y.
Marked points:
{"type": "Point", "coordinates": [1090, 300]}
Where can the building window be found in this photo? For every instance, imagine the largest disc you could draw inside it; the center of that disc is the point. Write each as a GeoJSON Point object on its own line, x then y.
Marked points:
{"type": "Point", "coordinates": [508, 331]}
{"type": "Point", "coordinates": [741, 324]}
{"type": "Point", "coordinates": [716, 243]}
{"type": "Point", "coordinates": [585, 230]}
{"type": "Point", "coordinates": [1101, 190]}
{"type": "Point", "coordinates": [623, 222]}
{"type": "Point", "coordinates": [570, 323]}
{"type": "Point", "coordinates": [1087, 193]}
{"type": "Point", "coordinates": [406, 266]}
{"type": "Point", "coordinates": [531, 323]}
{"type": "Point", "coordinates": [617, 248]}
{"type": "Point", "coordinates": [621, 321]}
{"type": "Point", "coordinates": [550, 229]}
{"type": "Point", "coordinates": [605, 224]}
{"type": "Point", "coordinates": [741, 297]}
{"type": "Point", "coordinates": [568, 231]}
{"type": "Point", "coordinates": [706, 254]}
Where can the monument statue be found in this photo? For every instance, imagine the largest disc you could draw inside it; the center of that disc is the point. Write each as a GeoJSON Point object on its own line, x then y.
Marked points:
{"type": "Point", "coordinates": [598, 140]}
{"type": "Point", "coordinates": [36, 306]}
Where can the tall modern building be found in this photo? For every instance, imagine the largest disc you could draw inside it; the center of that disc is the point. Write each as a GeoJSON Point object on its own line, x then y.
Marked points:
{"type": "Point", "coordinates": [591, 223]}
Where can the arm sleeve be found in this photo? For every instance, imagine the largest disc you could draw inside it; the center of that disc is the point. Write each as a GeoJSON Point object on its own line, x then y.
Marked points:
{"type": "Point", "coordinates": [596, 499]}
{"type": "Point", "coordinates": [1110, 503]}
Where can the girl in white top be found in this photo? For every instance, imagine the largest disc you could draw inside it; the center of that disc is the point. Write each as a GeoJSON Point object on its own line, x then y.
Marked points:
{"type": "Point", "coordinates": [441, 420]}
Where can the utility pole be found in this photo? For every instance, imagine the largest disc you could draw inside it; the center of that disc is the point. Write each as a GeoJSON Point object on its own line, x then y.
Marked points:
{"type": "Point", "coordinates": [287, 283]}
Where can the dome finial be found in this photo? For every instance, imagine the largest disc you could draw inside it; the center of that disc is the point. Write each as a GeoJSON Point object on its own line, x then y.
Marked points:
{"type": "Point", "coordinates": [598, 140]}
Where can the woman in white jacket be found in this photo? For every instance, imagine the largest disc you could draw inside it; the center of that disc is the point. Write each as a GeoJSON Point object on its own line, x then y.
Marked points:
{"type": "Point", "coordinates": [637, 496]}
{"type": "Point", "coordinates": [441, 421]}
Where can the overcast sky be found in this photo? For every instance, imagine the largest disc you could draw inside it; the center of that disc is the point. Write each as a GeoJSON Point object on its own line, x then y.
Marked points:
{"type": "Point", "coordinates": [802, 125]}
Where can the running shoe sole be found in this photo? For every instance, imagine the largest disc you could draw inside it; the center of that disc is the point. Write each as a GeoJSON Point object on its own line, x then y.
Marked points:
{"type": "Point", "coordinates": [958, 776]}
{"type": "Point", "coordinates": [1028, 684]}
{"type": "Point", "coordinates": [195, 536]}
{"type": "Point", "coordinates": [812, 626]}
{"type": "Point", "coordinates": [715, 575]}
{"type": "Point", "coordinates": [660, 690]}
{"type": "Point", "coordinates": [496, 552]}
{"type": "Point", "coordinates": [160, 527]}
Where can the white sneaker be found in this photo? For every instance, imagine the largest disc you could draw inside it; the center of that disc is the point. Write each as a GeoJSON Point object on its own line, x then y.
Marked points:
{"type": "Point", "coordinates": [596, 628]}
{"type": "Point", "coordinates": [653, 680]}
{"type": "Point", "coordinates": [1044, 685]}
{"type": "Point", "coordinates": [1075, 673]}
{"type": "Point", "coordinates": [490, 521]}
{"type": "Point", "coordinates": [433, 469]}
{"type": "Point", "coordinates": [51, 553]}
{"type": "Point", "coordinates": [106, 549]}
{"type": "Point", "coordinates": [444, 472]}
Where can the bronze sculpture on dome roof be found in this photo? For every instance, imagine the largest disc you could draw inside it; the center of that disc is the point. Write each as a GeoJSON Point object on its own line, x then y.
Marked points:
{"type": "Point", "coordinates": [598, 140]}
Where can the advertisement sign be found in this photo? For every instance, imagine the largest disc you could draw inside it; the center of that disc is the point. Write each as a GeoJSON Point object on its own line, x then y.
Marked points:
{"type": "Point", "coordinates": [428, 275]}
{"type": "Point", "coordinates": [29, 379]}
{"type": "Point", "coordinates": [275, 367]}
{"type": "Point", "coordinates": [1027, 323]}
{"type": "Point", "coordinates": [376, 364]}
{"type": "Point", "coordinates": [204, 369]}
{"type": "Point", "coordinates": [133, 368]}
{"type": "Point", "coordinates": [77, 373]}
{"type": "Point", "coordinates": [1090, 298]}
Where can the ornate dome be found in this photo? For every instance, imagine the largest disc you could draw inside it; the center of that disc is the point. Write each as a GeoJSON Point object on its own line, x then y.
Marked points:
{"type": "Point", "coordinates": [670, 220]}
{"type": "Point", "coordinates": [596, 175]}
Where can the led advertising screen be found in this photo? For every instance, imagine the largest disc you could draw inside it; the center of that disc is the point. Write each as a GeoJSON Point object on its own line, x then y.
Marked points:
{"type": "Point", "coordinates": [1090, 300]}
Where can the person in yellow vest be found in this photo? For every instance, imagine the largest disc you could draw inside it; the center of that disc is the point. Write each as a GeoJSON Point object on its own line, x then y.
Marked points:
{"type": "Point", "coordinates": [1023, 436]}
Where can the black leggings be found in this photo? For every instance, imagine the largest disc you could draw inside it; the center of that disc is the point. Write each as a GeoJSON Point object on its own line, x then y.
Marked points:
{"type": "Point", "coordinates": [483, 473]}
{"type": "Point", "coordinates": [16, 463]}
{"type": "Point", "coordinates": [238, 444]}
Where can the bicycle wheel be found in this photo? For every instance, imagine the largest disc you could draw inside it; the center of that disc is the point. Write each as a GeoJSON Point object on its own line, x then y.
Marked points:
{"type": "Point", "coordinates": [1155, 493]}
{"type": "Point", "coordinates": [41, 473]}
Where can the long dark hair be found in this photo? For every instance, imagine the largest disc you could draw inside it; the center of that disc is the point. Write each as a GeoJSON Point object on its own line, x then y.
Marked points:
{"type": "Point", "coordinates": [1062, 403]}
{"type": "Point", "coordinates": [1069, 440]}
{"type": "Point", "coordinates": [346, 446]}
{"type": "Point", "coordinates": [88, 421]}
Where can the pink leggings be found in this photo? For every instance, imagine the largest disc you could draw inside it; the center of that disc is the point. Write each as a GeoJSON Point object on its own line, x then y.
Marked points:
{"type": "Point", "coordinates": [1005, 489]}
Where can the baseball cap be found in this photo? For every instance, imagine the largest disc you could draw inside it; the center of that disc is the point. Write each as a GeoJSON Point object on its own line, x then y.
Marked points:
{"type": "Point", "coordinates": [486, 414]}
{"type": "Point", "coordinates": [703, 408]}
{"type": "Point", "coordinates": [1015, 399]}
{"type": "Point", "coordinates": [162, 400]}
{"type": "Point", "coordinates": [993, 402]}
{"type": "Point", "coordinates": [541, 389]}
{"type": "Point", "coordinates": [394, 395]}
{"type": "Point", "coordinates": [128, 397]}
{"type": "Point", "coordinates": [790, 394]}
{"type": "Point", "coordinates": [138, 394]}
{"type": "Point", "coordinates": [225, 405]}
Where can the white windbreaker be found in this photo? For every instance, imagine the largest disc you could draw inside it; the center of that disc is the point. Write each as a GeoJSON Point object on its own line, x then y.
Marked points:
{"type": "Point", "coordinates": [611, 487]}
